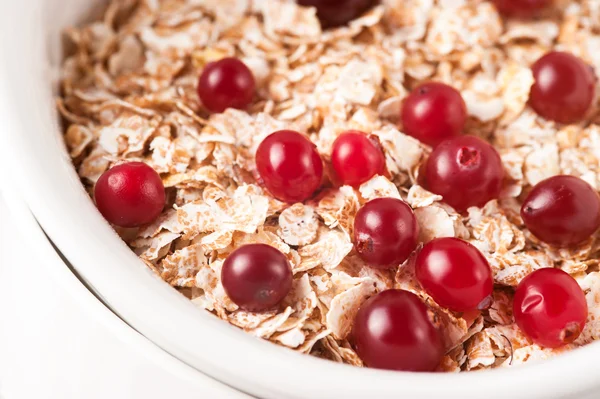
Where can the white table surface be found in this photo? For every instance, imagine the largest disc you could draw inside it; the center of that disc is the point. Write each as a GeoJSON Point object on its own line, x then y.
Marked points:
{"type": "Point", "coordinates": [51, 349]}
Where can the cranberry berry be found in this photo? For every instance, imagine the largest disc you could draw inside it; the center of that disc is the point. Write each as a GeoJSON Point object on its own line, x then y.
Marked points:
{"type": "Point", "coordinates": [550, 307]}
{"type": "Point", "coordinates": [466, 171]}
{"type": "Point", "coordinates": [289, 165]}
{"type": "Point", "coordinates": [521, 8]}
{"type": "Point", "coordinates": [256, 277]}
{"type": "Point", "coordinates": [564, 87]}
{"type": "Point", "coordinates": [562, 211]}
{"type": "Point", "coordinates": [130, 195]}
{"type": "Point", "coordinates": [433, 112]}
{"type": "Point", "coordinates": [385, 232]}
{"type": "Point", "coordinates": [333, 13]}
{"type": "Point", "coordinates": [356, 158]}
{"type": "Point", "coordinates": [393, 331]}
{"type": "Point", "coordinates": [455, 274]}
{"type": "Point", "coordinates": [227, 83]}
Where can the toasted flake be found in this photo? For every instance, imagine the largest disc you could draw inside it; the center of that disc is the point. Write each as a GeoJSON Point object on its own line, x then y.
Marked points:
{"type": "Point", "coordinates": [341, 353]}
{"type": "Point", "coordinates": [298, 225]}
{"type": "Point", "coordinates": [418, 197]}
{"type": "Point", "coordinates": [217, 240]}
{"type": "Point", "coordinates": [544, 32]}
{"type": "Point", "coordinates": [311, 339]}
{"type": "Point", "coordinates": [454, 329]}
{"type": "Point", "coordinates": [94, 165]}
{"type": "Point", "coordinates": [533, 353]}
{"type": "Point", "coordinates": [510, 268]}
{"type": "Point", "coordinates": [492, 232]}
{"type": "Point", "coordinates": [358, 82]}
{"type": "Point", "coordinates": [452, 361]}
{"type": "Point", "coordinates": [180, 268]}
{"type": "Point", "coordinates": [166, 221]}
{"type": "Point", "coordinates": [480, 353]}
{"type": "Point", "coordinates": [265, 236]}
{"type": "Point", "coordinates": [180, 41]}
{"type": "Point", "coordinates": [115, 139]}
{"type": "Point", "coordinates": [228, 12]}
{"type": "Point", "coordinates": [458, 28]}
{"type": "Point", "coordinates": [244, 211]}
{"type": "Point", "coordinates": [337, 208]}
{"type": "Point", "coordinates": [270, 326]}
{"type": "Point", "coordinates": [409, 16]}
{"type": "Point", "coordinates": [500, 311]}
{"type": "Point", "coordinates": [378, 187]}
{"type": "Point", "coordinates": [541, 163]}
{"type": "Point", "coordinates": [328, 251]}
{"type": "Point", "coordinates": [516, 81]}
{"type": "Point", "coordinates": [155, 247]}
{"type": "Point", "coordinates": [590, 284]}
{"type": "Point", "coordinates": [77, 138]}
{"type": "Point", "coordinates": [344, 306]}
{"type": "Point", "coordinates": [483, 109]}
{"type": "Point", "coordinates": [402, 151]}
{"type": "Point", "coordinates": [434, 222]}
{"type": "Point", "coordinates": [389, 107]}
{"type": "Point", "coordinates": [506, 339]}
{"type": "Point", "coordinates": [292, 338]}
{"type": "Point", "coordinates": [249, 320]}
{"type": "Point", "coordinates": [302, 298]}
{"type": "Point", "coordinates": [129, 58]}
{"type": "Point", "coordinates": [288, 18]}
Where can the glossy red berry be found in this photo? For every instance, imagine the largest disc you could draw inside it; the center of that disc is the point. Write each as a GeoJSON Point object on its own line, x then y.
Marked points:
{"type": "Point", "coordinates": [562, 210]}
{"type": "Point", "coordinates": [455, 274]}
{"type": "Point", "coordinates": [564, 87]}
{"type": "Point", "coordinates": [550, 307]}
{"type": "Point", "coordinates": [393, 331]}
{"type": "Point", "coordinates": [256, 277]}
{"type": "Point", "coordinates": [333, 13]}
{"type": "Point", "coordinates": [227, 83]}
{"type": "Point", "coordinates": [521, 8]}
{"type": "Point", "coordinates": [289, 165]}
{"type": "Point", "coordinates": [356, 158]}
{"type": "Point", "coordinates": [433, 112]}
{"type": "Point", "coordinates": [466, 171]}
{"type": "Point", "coordinates": [385, 232]}
{"type": "Point", "coordinates": [130, 194]}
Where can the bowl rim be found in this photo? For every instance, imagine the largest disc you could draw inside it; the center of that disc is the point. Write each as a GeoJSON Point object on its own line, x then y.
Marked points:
{"type": "Point", "coordinates": [40, 165]}
{"type": "Point", "coordinates": [63, 277]}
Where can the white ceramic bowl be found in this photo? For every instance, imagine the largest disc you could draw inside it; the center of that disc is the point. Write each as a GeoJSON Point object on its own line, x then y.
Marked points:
{"type": "Point", "coordinates": [31, 148]}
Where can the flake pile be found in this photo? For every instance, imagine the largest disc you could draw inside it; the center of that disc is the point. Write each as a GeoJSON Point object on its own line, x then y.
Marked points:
{"type": "Point", "coordinates": [128, 93]}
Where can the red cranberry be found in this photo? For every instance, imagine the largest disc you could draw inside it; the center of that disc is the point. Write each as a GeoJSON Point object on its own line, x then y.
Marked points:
{"type": "Point", "coordinates": [333, 13]}
{"type": "Point", "coordinates": [564, 87]}
{"type": "Point", "coordinates": [562, 211]}
{"type": "Point", "coordinates": [289, 165]}
{"type": "Point", "coordinates": [130, 194]}
{"type": "Point", "coordinates": [466, 171]}
{"type": "Point", "coordinates": [393, 331]}
{"type": "Point", "coordinates": [227, 83]}
{"type": "Point", "coordinates": [256, 277]}
{"type": "Point", "coordinates": [385, 232]}
{"type": "Point", "coordinates": [521, 8]}
{"type": "Point", "coordinates": [356, 158]}
{"type": "Point", "coordinates": [434, 112]}
{"type": "Point", "coordinates": [455, 274]}
{"type": "Point", "coordinates": [550, 307]}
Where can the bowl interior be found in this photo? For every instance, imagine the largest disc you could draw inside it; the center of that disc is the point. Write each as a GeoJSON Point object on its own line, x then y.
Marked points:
{"type": "Point", "coordinates": [32, 147]}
